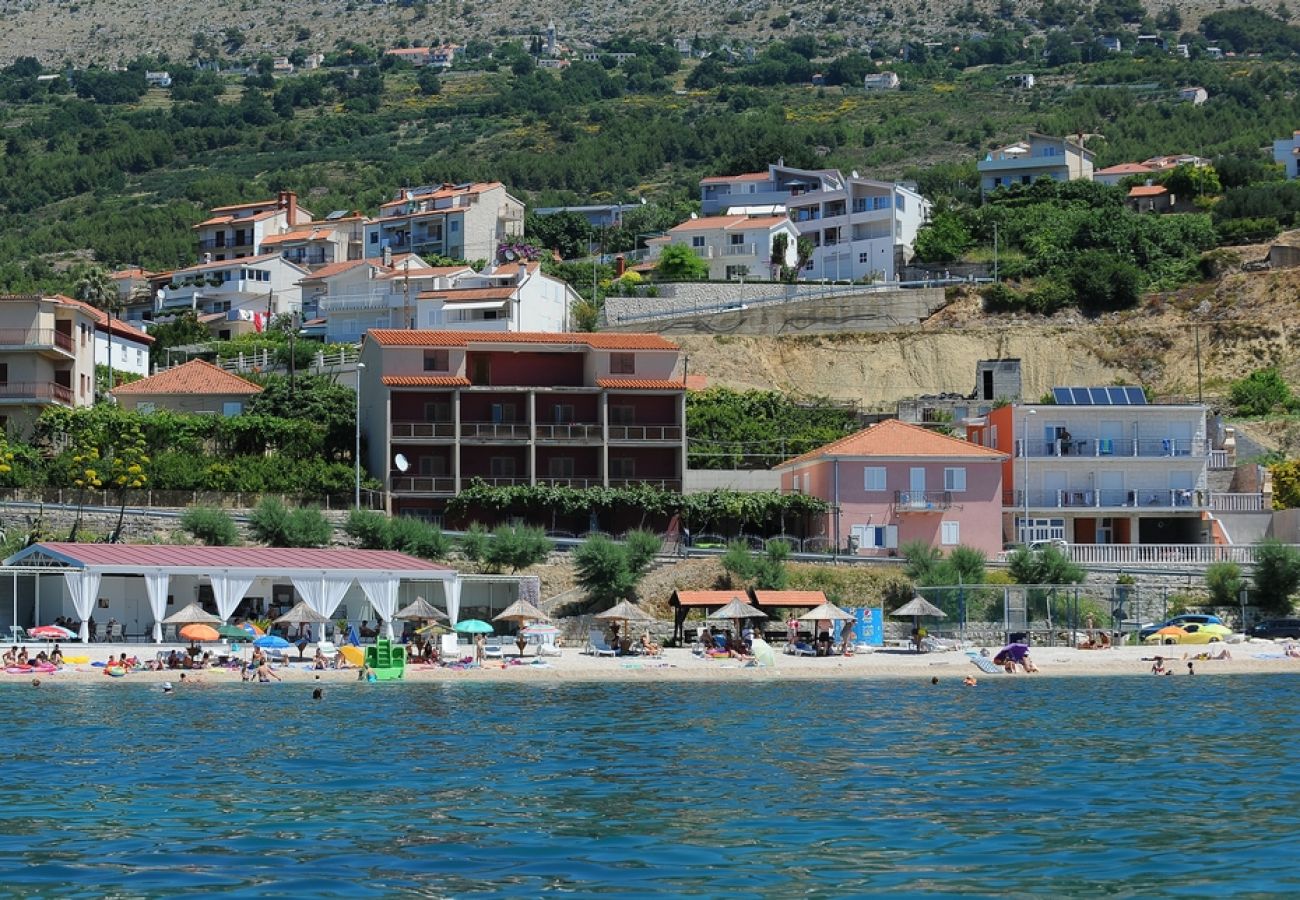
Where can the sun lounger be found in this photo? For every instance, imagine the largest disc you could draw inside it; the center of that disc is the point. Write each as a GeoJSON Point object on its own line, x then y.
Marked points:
{"type": "Point", "coordinates": [492, 647]}
{"type": "Point", "coordinates": [794, 650]}
{"type": "Point", "coordinates": [984, 664]}
{"type": "Point", "coordinates": [596, 645]}
{"type": "Point", "coordinates": [449, 648]}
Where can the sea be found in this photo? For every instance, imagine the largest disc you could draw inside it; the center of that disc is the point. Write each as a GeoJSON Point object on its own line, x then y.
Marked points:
{"type": "Point", "coordinates": [1054, 787]}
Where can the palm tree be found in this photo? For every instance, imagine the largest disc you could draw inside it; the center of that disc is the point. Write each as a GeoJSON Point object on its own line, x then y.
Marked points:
{"type": "Point", "coordinates": [100, 291]}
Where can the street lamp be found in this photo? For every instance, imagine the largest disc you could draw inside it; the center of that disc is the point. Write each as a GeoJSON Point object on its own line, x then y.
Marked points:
{"type": "Point", "coordinates": [356, 455]}
{"type": "Point", "coordinates": [1024, 465]}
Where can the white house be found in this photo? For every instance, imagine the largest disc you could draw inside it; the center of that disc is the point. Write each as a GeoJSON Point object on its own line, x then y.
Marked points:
{"type": "Point", "coordinates": [860, 228]}
{"type": "Point", "coordinates": [1038, 156]}
{"type": "Point", "coordinates": [158, 79]}
{"type": "Point", "coordinates": [1286, 153]}
{"type": "Point", "coordinates": [128, 344]}
{"type": "Point", "coordinates": [511, 297]}
{"type": "Point", "coordinates": [734, 246]}
{"type": "Point", "coordinates": [459, 221]}
{"type": "Point", "coordinates": [1113, 175]}
{"type": "Point", "coordinates": [1193, 95]}
{"type": "Point", "coordinates": [880, 81]}
{"type": "Point", "coordinates": [239, 230]}
{"type": "Point", "coordinates": [337, 237]}
{"type": "Point", "coordinates": [249, 292]}
{"type": "Point", "coordinates": [1024, 81]}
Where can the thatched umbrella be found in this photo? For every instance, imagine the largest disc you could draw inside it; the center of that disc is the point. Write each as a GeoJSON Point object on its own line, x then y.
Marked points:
{"type": "Point", "coordinates": [301, 614]}
{"type": "Point", "coordinates": [521, 611]}
{"type": "Point", "coordinates": [192, 615]}
{"type": "Point", "coordinates": [736, 610]}
{"type": "Point", "coordinates": [624, 611]}
{"type": "Point", "coordinates": [917, 607]}
{"type": "Point", "coordinates": [421, 610]}
{"type": "Point", "coordinates": [828, 612]}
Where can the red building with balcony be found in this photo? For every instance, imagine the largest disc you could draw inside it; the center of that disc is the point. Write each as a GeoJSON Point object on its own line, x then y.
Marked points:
{"type": "Point", "coordinates": [442, 408]}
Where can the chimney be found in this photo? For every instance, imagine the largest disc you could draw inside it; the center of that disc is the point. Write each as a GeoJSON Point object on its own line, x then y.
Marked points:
{"type": "Point", "coordinates": [207, 257]}
{"type": "Point", "coordinates": [523, 273]}
{"type": "Point", "coordinates": [288, 201]}
{"type": "Point", "coordinates": [388, 257]}
{"type": "Point", "coordinates": [620, 266]}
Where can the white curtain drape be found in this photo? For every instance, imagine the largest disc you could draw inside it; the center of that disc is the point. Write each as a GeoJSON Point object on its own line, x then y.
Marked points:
{"type": "Point", "coordinates": [155, 584]}
{"type": "Point", "coordinates": [228, 590]}
{"type": "Point", "coordinates": [323, 594]}
{"type": "Point", "coordinates": [82, 588]}
{"type": "Point", "coordinates": [451, 589]}
{"type": "Point", "coordinates": [381, 591]}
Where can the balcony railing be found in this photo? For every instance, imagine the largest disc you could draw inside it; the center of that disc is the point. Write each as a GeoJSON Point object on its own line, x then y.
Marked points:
{"type": "Point", "coordinates": [569, 481]}
{"type": "Point", "coordinates": [495, 431]}
{"type": "Point", "coordinates": [314, 257]}
{"type": "Point", "coordinates": [1220, 502]}
{"type": "Point", "coordinates": [1104, 447]}
{"type": "Point", "coordinates": [407, 431]}
{"type": "Point", "coordinates": [31, 338]}
{"type": "Point", "coordinates": [573, 431]}
{"type": "Point", "coordinates": [422, 484]}
{"type": "Point", "coordinates": [645, 433]}
{"type": "Point", "coordinates": [36, 392]}
{"type": "Point", "coordinates": [1136, 498]}
{"type": "Point", "coordinates": [1219, 460]}
{"type": "Point", "coordinates": [740, 250]}
{"type": "Point", "coordinates": [922, 501]}
{"type": "Point", "coordinates": [1161, 554]}
{"type": "Point", "coordinates": [663, 484]}
{"type": "Point", "coordinates": [361, 301]}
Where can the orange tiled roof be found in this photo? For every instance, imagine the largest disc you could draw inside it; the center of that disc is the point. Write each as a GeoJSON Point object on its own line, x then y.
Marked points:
{"type": "Point", "coordinates": [425, 272]}
{"type": "Point", "coordinates": [643, 384]}
{"type": "Point", "coordinates": [338, 268]}
{"type": "Point", "coordinates": [1123, 169]}
{"type": "Point", "coordinates": [723, 179]}
{"type": "Point", "coordinates": [393, 337]}
{"type": "Point", "coordinates": [895, 439]}
{"type": "Point", "coordinates": [707, 598]}
{"type": "Point", "coordinates": [809, 599]}
{"type": "Point", "coordinates": [1148, 190]}
{"type": "Point", "coordinates": [709, 223]}
{"type": "Point", "coordinates": [425, 381]}
{"type": "Point", "coordinates": [117, 326]}
{"type": "Point", "coordinates": [230, 263]}
{"type": "Point", "coordinates": [194, 377]}
{"type": "Point", "coordinates": [132, 272]}
{"type": "Point", "coordinates": [462, 295]}
{"type": "Point", "coordinates": [226, 220]}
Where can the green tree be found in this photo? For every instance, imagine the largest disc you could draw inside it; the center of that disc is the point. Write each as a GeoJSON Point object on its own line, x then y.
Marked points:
{"type": "Point", "coordinates": [681, 263]}
{"type": "Point", "coordinates": [329, 406]}
{"type": "Point", "coordinates": [764, 571]}
{"type": "Point", "coordinates": [96, 288]}
{"type": "Point", "coordinates": [945, 239]}
{"type": "Point", "coordinates": [210, 525]}
{"type": "Point", "coordinates": [416, 537]}
{"type": "Point", "coordinates": [126, 470]}
{"type": "Point", "coordinates": [517, 547]}
{"type": "Point", "coordinates": [1224, 582]}
{"type": "Point", "coordinates": [1276, 576]}
{"type": "Point", "coordinates": [273, 524]}
{"type": "Point", "coordinates": [1048, 565]}
{"type": "Point", "coordinates": [369, 528]}
{"type": "Point", "coordinates": [474, 544]}
{"type": "Point", "coordinates": [609, 572]}
{"type": "Point", "coordinates": [1260, 393]}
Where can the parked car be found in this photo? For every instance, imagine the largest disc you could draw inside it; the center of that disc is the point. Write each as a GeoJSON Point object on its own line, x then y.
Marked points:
{"type": "Point", "coordinates": [1190, 633]}
{"type": "Point", "coordinates": [1179, 622]}
{"type": "Point", "coordinates": [1059, 543]}
{"type": "Point", "coordinates": [1277, 628]}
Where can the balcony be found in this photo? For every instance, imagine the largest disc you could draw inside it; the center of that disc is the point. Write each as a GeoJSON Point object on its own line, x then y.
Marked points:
{"type": "Point", "coordinates": [35, 392]}
{"type": "Point", "coordinates": [663, 484]}
{"type": "Point", "coordinates": [922, 501]}
{"type": "Point", "coordinates": [569, 481]}
{"type": "Point", "coordinates": [646, 433]}
{"type": "Point", "coordinates": [1161, 554]}
{"type": "Point", "coordinates": [575, 431]}
{"type": "Point", "coordinates": [341, 302]}
{"type": "Point", "coordinates": [312, 257]}
{"type": "Point", "coordinates": [1136, 499]}
{"type": "Point", "coordinates": [740, 250]}
{"type": "Point", "coordinates": [423, 431]}
{"type": "Point", "coordinates": [422, 484]}
{"type": "Point", "coordinates": [493, 431]}
{"type": "Point", "coordinates": [1102, 448]}
{"type": "Point", "coordinates": [38, 339]}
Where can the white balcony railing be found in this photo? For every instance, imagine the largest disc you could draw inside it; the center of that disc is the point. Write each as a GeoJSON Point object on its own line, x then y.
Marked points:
{"type": "Point", "coordinates": [740, 250]}
{"type": "Point", "coordinates": [340, 302]}
{"type": "Point", "coordinates": [1136, 498]}
{"type": "Point", "coordinates": [1219, 460]}
{"type": "Point", "coordinates": [1161, 554]}
{"type": "Point", "coordinates": [1101, 448]}
{"type": "Point", "coordinates": [1237, 502]}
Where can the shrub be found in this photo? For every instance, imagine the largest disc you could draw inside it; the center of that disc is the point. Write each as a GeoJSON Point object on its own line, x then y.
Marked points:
{"type": "Point", "coordinates": [273, 524]}
{"type": "Point", "coordinates": [610, 572]}
{"type": "Point", "coordinates": [1103, 282]}
{"type": "Point", "coordinates": [1261, 392]}
{"type": "Point", "coordinates": [417, 537]}
{"type": "Point", "coordinates": [1224, 582]}
{"type": "Point", "coordinates": [517, 546]}
{"type": "Point", "coordinates": [368, 528]}
{"type": "Point", "coordinates": [1276, 576]}
{"type": "Point", "coordinates": [474, 544]}
{"type": "Point", "coordinates": [213, 527]}
{"type": "Point", "coordinates": [1247, 231]}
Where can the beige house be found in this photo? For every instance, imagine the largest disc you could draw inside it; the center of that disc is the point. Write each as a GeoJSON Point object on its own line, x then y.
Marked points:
{"type": "Point", "coordinates": [47, 357]}
{"type": "Point", "coordinates": [734, 246]}
{"type": "Point", "coordinates": [457, 221]}
{"type": "Point", "coordinates": [1037, 156]}
{"type": "Point", "coordinates": [195, 387]}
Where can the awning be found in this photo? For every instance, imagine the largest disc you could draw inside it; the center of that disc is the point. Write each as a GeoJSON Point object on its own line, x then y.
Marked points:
{"type": "Point", "coordinates": [476, 304]}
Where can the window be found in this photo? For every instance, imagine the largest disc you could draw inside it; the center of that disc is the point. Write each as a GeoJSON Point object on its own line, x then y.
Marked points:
{"type": "Point", "coordinates": [503, 412]}
{"type": "Point", "coordinates": [145, 407]}
{"type": "Point", "coordinates": [502, 466]}
{"type": "Point", "coordinates": [737, 239]}
{"type": "Point", "coordinates": [4, 373]}
{"type": "Point", "coordinates": [437, 411]}
{"type": "Point", "coordinates": [621, 467]}
{"type": "Point", "coordinates": [796, 484]}
{"type": "Point", "coordinates": [232, 408]}
{"type": "Point", "coordinates": [864, 258]}
{"type": "Point", "coordinates": [374, 237]}
{"type": "Point", "coordinates": [622, 364]}
{"type": "Point", "coordinates": [437, 360]}
{"type": "Point", "coordinates": [950, 533]}
{"type": "Point", "coordinates": [954, 479]}
{"type": "Point", "coordinates": [697, 242]}
{"type": "Point", "coordinates": [562, 413]}
{"type": "Point", "coordinates": [454, 226]}
{"type": "Point", "coordinates": [875, 537]}
{"type": "Point", "coordinates": [560, 467]}
{"type": "Point", "coordinates": [622, 415]}
{"type": "Point", "coordinates": [873, 478]}
{"type": "Point", "coordinates": [139, 357]}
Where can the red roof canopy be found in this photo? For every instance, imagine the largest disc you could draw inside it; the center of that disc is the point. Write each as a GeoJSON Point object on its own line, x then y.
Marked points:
{"type": "Point", "coordinates": [274, 560]}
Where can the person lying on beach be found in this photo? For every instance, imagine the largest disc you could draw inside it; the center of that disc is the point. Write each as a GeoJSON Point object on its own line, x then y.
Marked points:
{"type": "Point", "coordinates": [22, 656]}
{"type": "Point", "coordinates": [648, 646]}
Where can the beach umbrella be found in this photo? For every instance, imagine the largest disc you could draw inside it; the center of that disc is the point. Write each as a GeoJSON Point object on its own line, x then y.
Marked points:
{"type": "Point", "coordinates": [421, 610]}
{"type": "Point", "coordinates": [252, 628]}
{"type": "Point", "coordinates": [1170, 634]}
{"type": "Point", "coordinates": [763, 653]}
{"type": "Point", "coordinates": [271, 642]}
{"type": "Point", "coordinates": [625, 611]}
{"type": "Point", "coordinates": [1209, 628]}
{"type": "Point", "coordinates": [433, 626]}
{"type": "Point", "coordinates": [302, 614]}
{"type": "Point", "coordinates": [738, 609]}
{"type": "Point", "coordinates": [197, 631]}
{"type": "Point", "coordinates": [1016, 652]}
{"type": "Point", "coordinates": [917, 607]}
{"type": "Point", "coordinates": [232, 633]}
{"type": "Point", "coordinates": [541, 630]}
{"type": "Point", "coordinates": [51, 633]}
{"type": "Point", "coordinates": [520, 611]}
{"type": "Point", "coordinates": [827, 612]}
{"type": "Point", "coordinates": [192, 614]}
{"type": "Point", "coordinates": [474, 626]}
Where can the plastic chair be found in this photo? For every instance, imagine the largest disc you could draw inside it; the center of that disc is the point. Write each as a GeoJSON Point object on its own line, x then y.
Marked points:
{"type": "Point", "coordinates": [492, 647]}
{"type": "Point", "coordinates": [597, 646]}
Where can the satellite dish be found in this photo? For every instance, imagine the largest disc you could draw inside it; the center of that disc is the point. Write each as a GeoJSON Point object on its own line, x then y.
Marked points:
{"type": "Point", "coordinates": [695, 215]}
{"type": "Point", "coordinates": [855, 174]}
{"type": "Point", "coordinates": [510, 255]}
{"type": "Point", "coordinates": [401, 462]}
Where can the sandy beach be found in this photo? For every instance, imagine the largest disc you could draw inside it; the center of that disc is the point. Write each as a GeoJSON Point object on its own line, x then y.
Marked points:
{"type": "Point", "coordinates": [681, 665]}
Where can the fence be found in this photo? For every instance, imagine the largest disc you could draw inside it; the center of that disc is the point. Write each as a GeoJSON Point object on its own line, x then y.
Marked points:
{"type": "Point", "coordinates": [160, 502]}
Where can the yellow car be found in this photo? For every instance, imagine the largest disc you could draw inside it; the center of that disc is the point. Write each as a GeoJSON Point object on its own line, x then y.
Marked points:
{"type": "Point", "coordinates": [1191, 633]}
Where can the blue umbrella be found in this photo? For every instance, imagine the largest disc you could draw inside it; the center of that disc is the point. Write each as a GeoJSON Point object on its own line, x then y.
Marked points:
{"type": "Point", "coordinates": [272, 642]}
{"type": "Point", "coordinates": [353, 637]}
{"type": "Point", "coordinates": [474, 626]}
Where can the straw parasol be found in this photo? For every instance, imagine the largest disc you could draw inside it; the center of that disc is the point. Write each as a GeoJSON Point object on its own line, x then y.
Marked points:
{"type": "Point", "coordinates": [827, 612]}
{"type": "Point", "coordinates": [192, 615]}
{"type": "Point", "coordinates": [421, 610]}
{"type": "Point", "coordinates": [738, 609]}
{"type": "Point", "coordinates": [625, 611]}
{"type": "Point", "coordinates": [917, 607]}
{"type": "Point", "coordinates": [302, 614]}
{"type": "Point", "coordinates": [520, 611]}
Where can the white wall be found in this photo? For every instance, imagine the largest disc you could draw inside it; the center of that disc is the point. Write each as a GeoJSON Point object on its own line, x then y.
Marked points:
{"type": "Point", "coordinates": [128, 355]}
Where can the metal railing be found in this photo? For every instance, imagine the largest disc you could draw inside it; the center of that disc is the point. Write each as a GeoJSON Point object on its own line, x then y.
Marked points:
{"type": "Point", "coordinates": [1161, 554]}
{"type": "Point", "coordinates": [422, 484]}
{"type": "Point", "coordinates": [309, 257]}
{"type": "Point", "coordinates": [664, 484]}
{"type": "Point", "coordinates": [1133, 498]}
{"type": "Point", "coordinates": [497, 431]}
{"type": "Point", "coordinates": [1223, 502]}
{"type": "Point", "coordinates": [1219, 460]}
{"type": "Point", "coordinates": [645, 432]}
{"type": "Point", "coordinates": [426, 430]}
{"type": "Point", "coordinates": [922, 501]}
{"type": "Point", "coordinates": [1119, 447]}
{"type": "Point", "coordinates": [36, 392]}
{"type": "Point", "coordinates": [573, 431]}
{"type": "Point", "coordinates": [32, 338]}
{"type": "Point", "coordinates": [740, 250]}
{"type": "Point", "coordinates": [361, 301]}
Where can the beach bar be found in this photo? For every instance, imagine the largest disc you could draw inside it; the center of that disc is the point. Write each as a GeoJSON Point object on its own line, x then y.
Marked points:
{"type": "Point", "coordinates": [146, 582]}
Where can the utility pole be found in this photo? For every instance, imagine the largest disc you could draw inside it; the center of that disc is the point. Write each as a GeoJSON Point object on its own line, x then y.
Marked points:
{"type": "Point", "coordinates": [406, 293]}
{"type": "Point", "coordinates": [995, 252]}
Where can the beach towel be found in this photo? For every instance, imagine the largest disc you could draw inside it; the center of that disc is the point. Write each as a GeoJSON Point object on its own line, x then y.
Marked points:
{"type": "Point", "coordinates": [984, 664]}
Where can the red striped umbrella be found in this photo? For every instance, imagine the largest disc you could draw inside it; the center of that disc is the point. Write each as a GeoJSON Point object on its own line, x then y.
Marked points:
{"type": "Point", "coordinates": [51, 633]}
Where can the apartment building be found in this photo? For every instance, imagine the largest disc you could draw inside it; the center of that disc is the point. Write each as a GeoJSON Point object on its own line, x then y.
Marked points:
{"type": "Point", "coordinates": [248, 292]}
{"type": "Point", "coordinates": [442, 408]}
{"type": "Point", "coordinates": [892, 483]}
{"type": "Point", "coordinates": [239, 230]}
{"type": "Point", "coordinates": [860, 228]}
{"type": "Point", "coordinates": [458, 221]}
{"type": "Point", "coordinates": [738, 246]}
{"type": "Point", "coordinates": [47, 357]}
{"type": "Point", "coordinates": [336, 238]}
{"type": "Point", "coordinates": [1103, 466]}
{"type": "Point", "coordinates": [1037, 156]}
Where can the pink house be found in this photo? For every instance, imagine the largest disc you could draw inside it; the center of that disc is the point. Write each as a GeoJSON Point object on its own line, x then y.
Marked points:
{"type": "Point", "coordinates": [893, 483]}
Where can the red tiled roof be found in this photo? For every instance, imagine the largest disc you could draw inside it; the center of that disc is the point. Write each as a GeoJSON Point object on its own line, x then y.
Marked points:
{"type": "Point", "coordinates": [117, 326]}
{"type": "Point", "coordinates": [194, 377]}
{"type": "Point", "coordinates": [132, 272]}
{"type": "Point", "coordinates": [809, 599]}
{"type": "Point", "coordinates": [338, 268]}
{"type": "Point", "coordinates": [895, 439]}
{"type": "Point", "coordinates": [230, 263]}
{"type": "Point", "coordinates": [708, 223]}
{"type": "Point", "coordinates": [225, 220]}
{"type": "Point", "coordinates": [274, 559]}
{"type": "Point", "coordinates": [1123, 169]}
{"type": "Point", "coordinates": [1148, 190]}
{"type": "Point", "coordinates": [425, 381]}
{"type": "Point", "coordinates": [424, 272]}
{"type": "Point", "coordinates": [706, 598]}
{"type": "Point", "coordinates": [643, 384]}
{"type": "Point", "coordinates": [393, 337]}
{"type": "Point", "coordinates": [310, 233]}
{"type": "Point", "coordinates": [462, 295]}
{"type": "Point", "coordinates": [723, 179]}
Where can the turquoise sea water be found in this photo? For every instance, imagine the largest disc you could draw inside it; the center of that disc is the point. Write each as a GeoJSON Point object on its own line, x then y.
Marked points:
{"type": "Point", "coordinates": [1061, 787]}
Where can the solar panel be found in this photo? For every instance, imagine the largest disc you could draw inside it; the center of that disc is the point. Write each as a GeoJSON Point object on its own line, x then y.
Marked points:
{"type": "Point", "coordinates": [1099, 396]}
{"type": "Point", "coordinates": [337, 214]}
